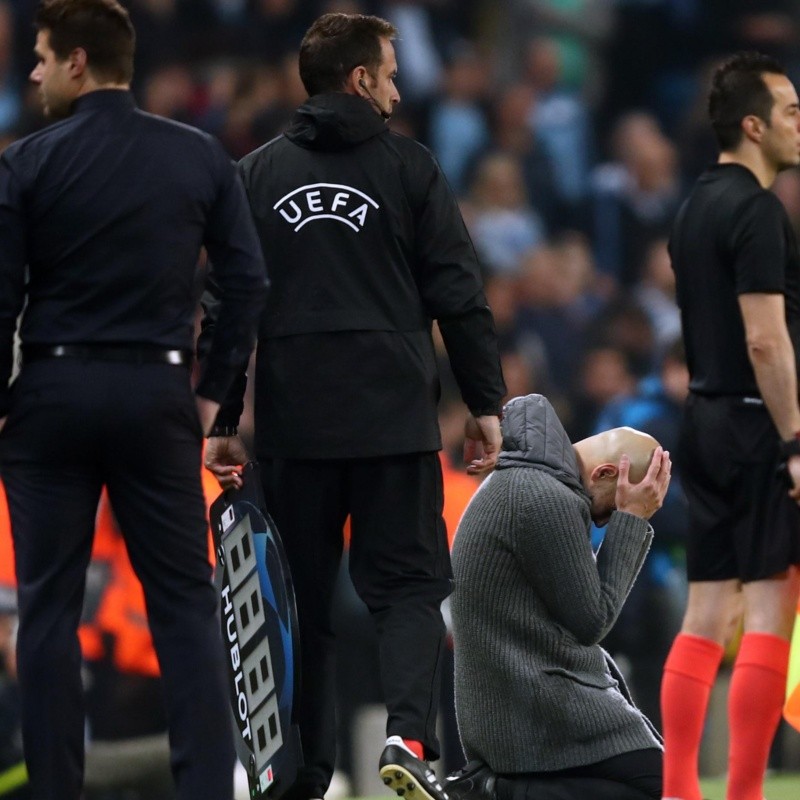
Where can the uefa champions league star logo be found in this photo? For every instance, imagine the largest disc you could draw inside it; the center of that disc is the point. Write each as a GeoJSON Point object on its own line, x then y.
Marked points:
{"type": "Point", "coordinates": [325, 201]}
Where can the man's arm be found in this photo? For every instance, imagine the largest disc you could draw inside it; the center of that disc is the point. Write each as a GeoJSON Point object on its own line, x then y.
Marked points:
{"type": "Point", "coordinates": [772, 355]}
{"type": "Point", "coordinates": [13, 260]}
{"type": "Point", "coordinates": [234, 250]}
{"type": "Point", "coordinates": [240, 275]}
{"type": "Point", "coordinates": [449, 282]}
{"type": "Point", "coordinates": [582, 593]}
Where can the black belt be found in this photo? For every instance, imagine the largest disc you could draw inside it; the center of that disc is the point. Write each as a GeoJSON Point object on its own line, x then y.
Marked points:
{"type": "Point", "coordinates": [101, 352]}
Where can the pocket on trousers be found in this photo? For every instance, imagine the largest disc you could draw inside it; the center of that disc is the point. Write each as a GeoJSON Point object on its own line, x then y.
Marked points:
{"type": "Point", "coordinates": [752, 437]}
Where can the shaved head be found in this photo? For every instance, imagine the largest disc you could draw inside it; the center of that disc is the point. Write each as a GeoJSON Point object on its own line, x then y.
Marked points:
{"type": "Point", "coordinates": [598, 459]}
{"type": "Point", "coordinates": [609, 446]}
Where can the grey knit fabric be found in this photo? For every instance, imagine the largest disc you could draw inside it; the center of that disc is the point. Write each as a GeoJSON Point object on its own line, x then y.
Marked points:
{"type": "Point", "coordinates": [534, 689]}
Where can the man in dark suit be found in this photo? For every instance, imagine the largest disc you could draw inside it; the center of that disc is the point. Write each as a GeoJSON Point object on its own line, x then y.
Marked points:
{"type": "Point", "coordinates": [102, 217]}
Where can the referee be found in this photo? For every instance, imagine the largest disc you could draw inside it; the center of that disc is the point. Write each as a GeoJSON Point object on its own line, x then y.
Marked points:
{"type": "Point", "coordinates": [102, 217]}
{"type": "Point", "coordinates": [738, 285]}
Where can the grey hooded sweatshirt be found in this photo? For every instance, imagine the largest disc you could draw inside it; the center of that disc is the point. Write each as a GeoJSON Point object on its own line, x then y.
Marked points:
{"type": "Point", "coordinates": [534, 690]}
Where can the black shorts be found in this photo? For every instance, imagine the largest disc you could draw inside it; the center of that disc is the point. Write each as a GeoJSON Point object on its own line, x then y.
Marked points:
{"type": "Point", "coordinates": [742, 523]}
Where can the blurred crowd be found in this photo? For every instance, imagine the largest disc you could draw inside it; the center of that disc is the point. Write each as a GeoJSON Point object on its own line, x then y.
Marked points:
{"type": "Point", "coordinates": [570, 131]}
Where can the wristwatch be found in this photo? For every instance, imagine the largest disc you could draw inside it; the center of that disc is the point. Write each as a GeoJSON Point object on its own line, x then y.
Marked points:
{"type": "Point", "coordinates": [227, 430]}
{"type": "Point", "coordinates": [790, 447]}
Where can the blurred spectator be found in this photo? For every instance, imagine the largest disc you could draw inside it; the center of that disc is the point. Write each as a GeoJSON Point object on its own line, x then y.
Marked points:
{"type": "Point", "coordinates": [654, 52]}
{"type": "Point", "coordinates": [220, 87]}
{"type": "Point", "coordinates": [170, 92]}
{"type": "Point", "coordinates": [519, 375]}
{"type": "Point", "coordinates": [258, 98]}
{"type": "Point", "coordinates": [417, 49]}
{"type": "Point", "coordinates": [502, 223]}
{"type": "Point", "coordinates": [457, 124]}
{"type": "Point", "coordinates": [10, 100]}
{"type": "Point", "coordinates": [274, 115]}
{"type": "Point", "coordinates": [634, 197]}
{"type": "Point", "coordinates": [579, 29]}
{"type": "Point", "coordinates": [787, 187]}
{"type": "Point", "coordinates": [558, 300]}
{"type": "Point", "coordinates": [513, 135]}
{"type": "Point", "coordinates": [655, 293]}
{"type": "Point", "coordinates": [769, 26]}
{"type": "Point", "coordinates": [695, 138]}
{"type": "Point", "coordinates": [624, 324]}
{"type": "Point", "coordinates": [13, 776]}
{"type": "Point", "coordinates": [276, 27]}
{"type": "Point", "coordinates": [652, 614]}
{"type": "Point", "coordinates": [560, 118]}
{"type": "Point", "coordinates": [603, 375]}
{"type": "Point", "coordinates": [159, 34]}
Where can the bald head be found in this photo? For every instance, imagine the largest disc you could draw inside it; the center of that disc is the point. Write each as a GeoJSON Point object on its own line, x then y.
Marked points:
{"type": "Point", "coordinates": [598, 460]}
{"type": "Point", "coordinates": [609, 446]}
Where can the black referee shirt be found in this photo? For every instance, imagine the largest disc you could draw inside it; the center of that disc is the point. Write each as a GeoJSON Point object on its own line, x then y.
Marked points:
{"type": "Point", "coordinates": [731, 237]}
{"type": "Point", "coordinates": [102, 216]}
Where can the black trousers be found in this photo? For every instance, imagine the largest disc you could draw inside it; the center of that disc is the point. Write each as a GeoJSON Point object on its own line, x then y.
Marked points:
{"type": "Point", "coordinates": [636, 775]}
{"type": "Point", "coordinates": [73, 427]}
{"type": "Point", "coordinates": [400, 567]}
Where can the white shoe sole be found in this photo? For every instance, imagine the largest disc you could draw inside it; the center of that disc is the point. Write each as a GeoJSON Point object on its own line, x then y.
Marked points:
{"type": "Point", "coordinates": [405, 784]}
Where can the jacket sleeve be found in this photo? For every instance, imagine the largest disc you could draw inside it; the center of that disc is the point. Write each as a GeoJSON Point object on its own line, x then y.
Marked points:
{"type": "Point", "coordinates": [449, 280]}
{"type": "Point", "coordinates": [13, 261]}
{"type": "Point", "coordinates": [582, 593]}
{"type": "Point", "coordinates": [234, 297]}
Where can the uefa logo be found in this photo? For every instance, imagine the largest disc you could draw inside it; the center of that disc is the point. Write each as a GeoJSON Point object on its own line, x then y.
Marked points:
{"type": "Point", "coordinates": [325, 201]}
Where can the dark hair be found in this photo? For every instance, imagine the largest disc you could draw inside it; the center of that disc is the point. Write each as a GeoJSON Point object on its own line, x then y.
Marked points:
{"type": "Point", "coordinates": [738, 90]}
{"type": "Point", "coordinates": [338, 43]}
{"type": "Point", "coordinates": [101, 27]}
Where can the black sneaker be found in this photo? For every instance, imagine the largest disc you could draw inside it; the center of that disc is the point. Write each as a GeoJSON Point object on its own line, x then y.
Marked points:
{"type": "Point", "coordinates": [475, 781]}
{"type": "Point", "coordinates": [408, 775]}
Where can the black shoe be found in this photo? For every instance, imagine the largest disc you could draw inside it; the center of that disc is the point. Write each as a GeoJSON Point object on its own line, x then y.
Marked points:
{"type": "Point", "coordinates": [475, 781]}
{"type": "Point", "coordinates": [408, 775]}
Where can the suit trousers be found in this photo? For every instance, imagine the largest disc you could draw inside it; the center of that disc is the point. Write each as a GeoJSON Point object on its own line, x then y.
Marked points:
{"type": "Point", "coordinates": [74, 426]}
{"type": "Point", "coordinates": [400, 567]}
{"type": "Point", "coordinates": [636, 775]}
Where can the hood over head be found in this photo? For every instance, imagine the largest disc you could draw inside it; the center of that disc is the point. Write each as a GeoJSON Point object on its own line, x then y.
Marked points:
{"type": "Point", "coordinates": [334, 121]}
{"type": "Point", "coordinates": [533, 436]}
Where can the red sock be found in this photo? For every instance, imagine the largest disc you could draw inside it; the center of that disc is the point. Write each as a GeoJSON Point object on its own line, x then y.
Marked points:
{"type": "Point", "coordinates": [417, 749]}
{"type": "Point", "coordinates": [689, 674]}
{"type": "Point", "coordinates": [755, 700]}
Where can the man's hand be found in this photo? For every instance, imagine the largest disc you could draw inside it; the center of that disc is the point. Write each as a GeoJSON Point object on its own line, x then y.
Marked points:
{"type": "Point", "coordinates": [793, 470]}
{"type": "Point", "coordinates": [482, 444]}
{"type": "Point", "coordinates": [644, 498]}
{"type": "Point", "coordinates": [2, 423]}
{"type": "Point", "coordinates": [207, 411]}
{"type": "Point", "coordinates": [225, 456]}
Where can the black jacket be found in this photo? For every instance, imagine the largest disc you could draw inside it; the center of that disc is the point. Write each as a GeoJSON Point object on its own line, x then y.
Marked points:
{"type": "Point", "coordinates": [365, 246]}
{"type": "Point", "coordinates": [106, 211]}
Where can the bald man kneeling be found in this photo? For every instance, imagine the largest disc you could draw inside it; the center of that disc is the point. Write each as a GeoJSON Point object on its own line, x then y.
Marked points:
{"type": "Point", "coordinates": [543, 711]}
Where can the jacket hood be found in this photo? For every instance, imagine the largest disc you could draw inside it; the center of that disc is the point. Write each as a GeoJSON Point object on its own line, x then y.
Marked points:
{"type": "Point", "coordinates": [335, 121]}
{"type": "Point", "coordinates": [534, 437]}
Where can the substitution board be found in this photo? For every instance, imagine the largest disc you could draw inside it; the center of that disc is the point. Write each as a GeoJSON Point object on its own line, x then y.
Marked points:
{"type": "Point", "coordinates": [259, 631]}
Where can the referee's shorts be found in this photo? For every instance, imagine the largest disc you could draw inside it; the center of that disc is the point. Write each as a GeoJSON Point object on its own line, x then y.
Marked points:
{"type": "Point", "coordinates": [742, 523]}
